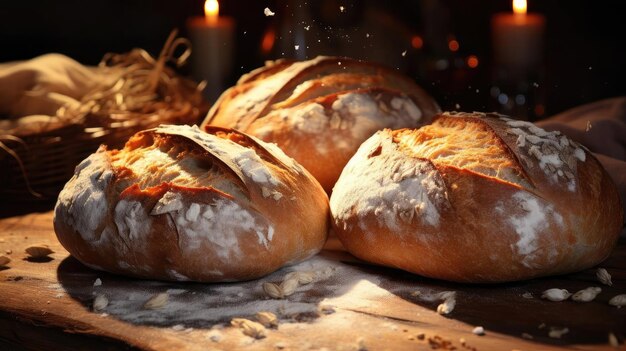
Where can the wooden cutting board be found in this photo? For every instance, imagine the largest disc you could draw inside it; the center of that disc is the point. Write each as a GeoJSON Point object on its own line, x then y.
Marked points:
{"type": "Point", "coordinates": [47, 304]}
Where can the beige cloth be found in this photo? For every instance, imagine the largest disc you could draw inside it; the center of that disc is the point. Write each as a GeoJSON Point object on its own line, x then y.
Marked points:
{"type": "Point", "coordinates": [23, 84]}
{"type": "Point", "coordinates": [32, 91]}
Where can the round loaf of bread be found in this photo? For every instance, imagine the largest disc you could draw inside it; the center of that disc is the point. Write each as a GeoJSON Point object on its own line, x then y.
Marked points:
{"type": "Point", "coordinates": [320, 111]}
{"type": "Point", "coordinates": [177, 203]}
{"type": "Point", "coordinates": [476, 198]}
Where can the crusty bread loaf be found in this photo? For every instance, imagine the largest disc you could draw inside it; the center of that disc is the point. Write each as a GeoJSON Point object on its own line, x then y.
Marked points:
{"type": "Point", "coordinates": [476, 198]}
{"type": "Point", "coordinates": [177, 203]}
{"type": "Point", "coordinates": [320, 111]}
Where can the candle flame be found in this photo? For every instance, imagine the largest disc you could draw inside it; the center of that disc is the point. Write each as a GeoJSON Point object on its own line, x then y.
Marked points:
{"type": "Point", "coordinates": [211, 10]}
{"type": "Point", "coordinates": [519, 7]}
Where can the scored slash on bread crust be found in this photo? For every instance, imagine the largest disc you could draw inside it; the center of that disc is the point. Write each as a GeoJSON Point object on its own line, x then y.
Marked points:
{"type": "Point", "coordinates": [319, 111]}
{"type": "Point", "coordinates": [476, 197]}
{"type": "Point", "coordinates": [177, 203]}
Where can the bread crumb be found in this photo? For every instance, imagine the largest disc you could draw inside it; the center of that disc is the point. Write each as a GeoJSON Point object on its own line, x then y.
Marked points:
{"type": "Point", "coordinates": [479, 330]}
{"type": "Point", "coordinates": [267, 319]}
{"type": "Point", "coordinates": [289, 286]}
{"type": "Point", "coordinates": [38, 251]}
{"type": "Point", "coordinates": [556, 294]}
{"type": "Point", "coordinates": [437, 342]}
{"type": "Point", "coordinates": [156, 301]}
{"type": "Point", "coordinates": [100, 302]}
{"type": "Point", "coordinates": [214, 335]}
{"type": "Point", "coordinates": [447, 306]}
{"type": "Point", "coordinates": [273, 290]}
{"type": "Point", "coordinates": [587, 294]}
{"type": "Point", "coordinates": [252, 329]}
{"type": "Point", "coordinates": [603, 276]}
{"type": "Point", "coordinates": [618, 300]}
{"type": "Point", "coordinates": [326, 309]}
{"type": "Point", "coordinates": [557, 333]}
{"type": "Point", "coordinates": [613, 340]}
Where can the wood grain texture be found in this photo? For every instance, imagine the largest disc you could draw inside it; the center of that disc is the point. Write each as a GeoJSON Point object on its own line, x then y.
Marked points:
{"type": "Point", "coordinates": [47, 305]}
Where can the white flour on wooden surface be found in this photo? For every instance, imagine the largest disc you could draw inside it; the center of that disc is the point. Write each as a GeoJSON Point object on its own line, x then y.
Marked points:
{"type": "Point", "coordinates": [197, 305]}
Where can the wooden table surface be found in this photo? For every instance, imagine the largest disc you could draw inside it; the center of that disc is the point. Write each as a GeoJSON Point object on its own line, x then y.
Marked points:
{"type": "Point", "coordinates": [47, 305]}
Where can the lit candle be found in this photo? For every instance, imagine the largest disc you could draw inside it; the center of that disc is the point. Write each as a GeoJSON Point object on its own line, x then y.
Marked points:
{"type": "Point", "coordinates": [212, 48]}
{"type": "Point", "coordinates": [518, 37]}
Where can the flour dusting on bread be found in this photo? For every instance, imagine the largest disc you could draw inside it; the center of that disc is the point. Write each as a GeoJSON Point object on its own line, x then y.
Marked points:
{"type": "Point", "coordinates": [557, 154]}
{"type": "Point", "coordinates": [535, 218]}
{"type": "Point", "coordinates": [169, 202]}
{"type": "Point", "coordinates": [91, 179]}
{"type": "Point", "coordinates": [219, 224]}
{"type": "Point", "coordinates": [247, 161]}
{"type": "Point", "coordinates": [132, 221]}
{"type": "Point", "coordinates": [387, 187]}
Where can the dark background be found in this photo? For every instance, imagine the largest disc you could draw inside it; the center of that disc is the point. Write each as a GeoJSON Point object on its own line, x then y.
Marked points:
{"type": "Point", "coordinates": [584, 40]}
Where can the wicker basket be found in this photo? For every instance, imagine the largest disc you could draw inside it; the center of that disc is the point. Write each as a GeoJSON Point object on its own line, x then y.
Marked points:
{"type": "Point", "coordinates": [49, 158]}
{"type": "Point", "coordinates": [35, 167]}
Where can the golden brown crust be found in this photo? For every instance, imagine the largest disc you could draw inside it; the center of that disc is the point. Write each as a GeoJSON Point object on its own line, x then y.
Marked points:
{"type": "Point", "coordinates": [321, 109]}
{"type": "Point", "coordinates": [442, 217]}
{"type": "Point", "coordinates": [180, 204]}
